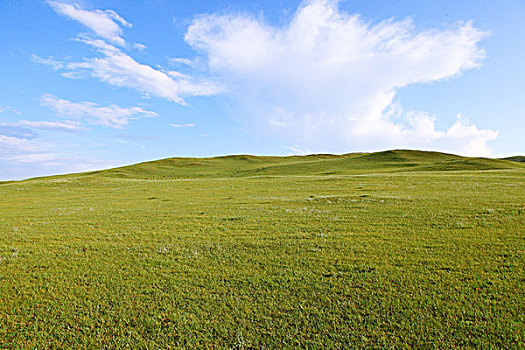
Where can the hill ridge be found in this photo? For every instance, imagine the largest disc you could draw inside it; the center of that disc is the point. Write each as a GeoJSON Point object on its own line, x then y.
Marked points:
{"type": "Point", "coordinates": [245, 165]}
{"type": "Point", "coordinates": [519, 159]}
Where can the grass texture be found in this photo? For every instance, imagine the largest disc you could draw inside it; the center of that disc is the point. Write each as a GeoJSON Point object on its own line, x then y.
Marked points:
{"type": "Point", "coordinates": [398, 249]}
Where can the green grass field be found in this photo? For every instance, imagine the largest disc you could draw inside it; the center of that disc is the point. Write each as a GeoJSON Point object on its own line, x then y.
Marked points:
{"type": "Point", "coordinates": [398, 249]}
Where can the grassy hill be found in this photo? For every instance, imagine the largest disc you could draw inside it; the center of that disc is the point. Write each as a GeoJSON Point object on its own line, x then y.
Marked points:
{"type": "Point", "coordinates": [520, 159]}
{"type": "Point", "coordinates": [319, 164]}
{"type": "Point", "coordinates": [418, 250]}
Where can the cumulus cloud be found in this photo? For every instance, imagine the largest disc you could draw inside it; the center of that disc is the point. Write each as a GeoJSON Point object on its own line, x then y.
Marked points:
{"type": "Point", "coordinates": [106, 24]}
{"type": "Point", "coordinates": [112, 116]}
{"type": "Point", "coordinates": [327, 80]}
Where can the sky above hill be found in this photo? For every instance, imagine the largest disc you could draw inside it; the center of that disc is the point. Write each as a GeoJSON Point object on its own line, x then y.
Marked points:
{"type": "Point", "coordinates": [93, 84]}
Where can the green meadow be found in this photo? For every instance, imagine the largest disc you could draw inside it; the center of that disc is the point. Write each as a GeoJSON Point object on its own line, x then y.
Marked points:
{"type": "Point", "coordinates": [396, 249]}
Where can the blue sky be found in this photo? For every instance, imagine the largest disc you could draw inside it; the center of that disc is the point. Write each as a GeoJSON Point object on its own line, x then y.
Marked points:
{"type": "Point", "coordinates": [94, 84]}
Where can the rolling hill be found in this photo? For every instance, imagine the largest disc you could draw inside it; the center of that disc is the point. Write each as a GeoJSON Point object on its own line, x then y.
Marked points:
{"type": "Point", "coordinates": [419, 250]}
{"type": "Point", "coordinates": [519, 159]}
{"type": "Point", "coordinates": [317, 164]}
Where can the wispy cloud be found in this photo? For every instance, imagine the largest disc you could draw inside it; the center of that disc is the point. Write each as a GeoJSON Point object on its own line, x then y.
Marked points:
{"type": "Point", "coordinates": [186, 62]}
{"type": "Point", "coordinates": [14, 144]}
{"type": "Point", "coordinates": [189, 125]}
{"type": "Point", "coordinates": [25, 165]}
{"type": "Point", "coordinates": [327, 80]}
{"type": "Point", "coordinates": [106, 24]}
{"type": "Point", "coordinates": [140, 47]}
{"type": "Point", "coordinates": [48, 61]}
{"type": "Point", "coordinates": [112, 116]}
{"type": "Point", "coordinates": [9, 109]}
{"type": "Point", "coordinates": [22, 155]}
{"type": "Point", "coordinates": [115, 67]}
{"type": "Point", "coordinates": [16, 131]}
{"type": "Point", "coordinates": [119, 69]}
{"type": "Point", "coordinates": [67, 125]}
{"type": "Point", "coordinates": [67, 163]}
{"type": "Point", "coordinates": [296, 150]}
{"type": "Point", "coordinates": [131, 137]}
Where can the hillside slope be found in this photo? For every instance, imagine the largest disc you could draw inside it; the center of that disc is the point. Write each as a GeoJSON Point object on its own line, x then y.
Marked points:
{"type": "Point", "coordinates": [519, 159]}
{"type": "Point", "coordinates": [317, 164]}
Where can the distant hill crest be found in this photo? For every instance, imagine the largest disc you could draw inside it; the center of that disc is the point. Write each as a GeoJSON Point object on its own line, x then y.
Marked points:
{"type": "Point", "coordinates": [392, 161]}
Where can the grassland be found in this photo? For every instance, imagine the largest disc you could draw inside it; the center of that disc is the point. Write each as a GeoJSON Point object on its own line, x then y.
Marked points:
{"type": "Point", "coordinates": [397, 249]}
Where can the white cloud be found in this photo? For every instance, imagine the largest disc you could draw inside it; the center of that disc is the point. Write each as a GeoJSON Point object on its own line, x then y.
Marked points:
{"type": "Point", "coordinates": [140, 47]}
{"type": "Point", "coordinates": [9, 109]}
{"type": "Point", "coordinates": [67, 125]}
{"type": "Point", "coordinates": [99, 44]}
{"type": "Point", "coordinates": [186, 62]}
{"type": "Point", "coordinates": [119, 69]}
{"type": "Point", "coordinates": [189, 125]}
{"type": "Point", "coordinates": [113, 116]}
{"type": "Point", "coordinates": [469, 138]}
{"type": "Point", "coordinates": [296, 150]}
{"type": "Point", "coordinates": [17, 153]}
{"type": "Point", "coordinates": [105, 24]}
{"type": "Point", "coordinates": [28, 165]}
{"type": "Point", "coordinates": [56, 65]}
{"type": "Point", "coordinates": [10, 145]}
{"type": "Point", "coordinates": [21, 158]}
{"type": "Point", "coordinates": [327, 80]}
{"type": "Point", "coordinates": [67, 163]}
